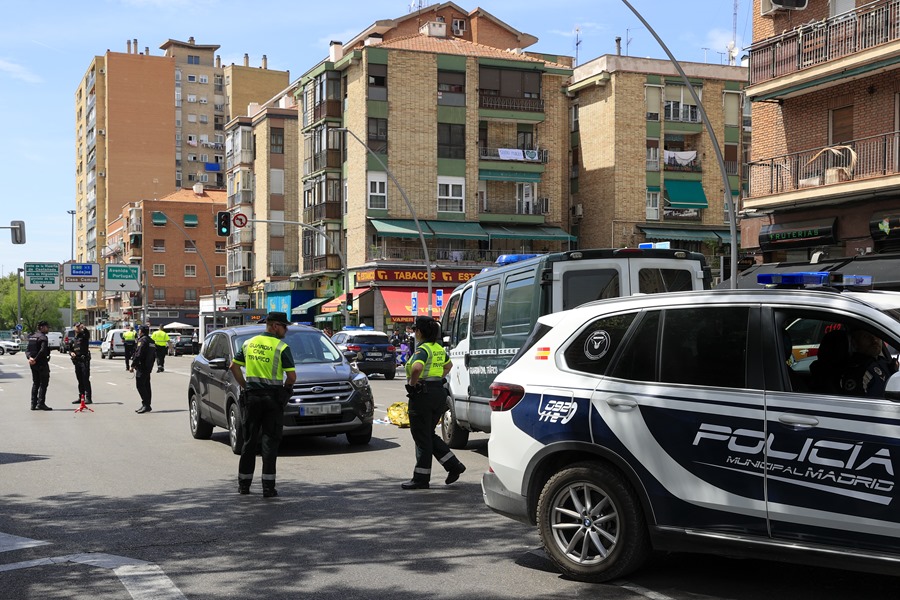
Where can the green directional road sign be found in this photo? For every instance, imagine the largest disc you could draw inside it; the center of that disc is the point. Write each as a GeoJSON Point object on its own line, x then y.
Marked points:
{"type": "Point", "coordinates": [42, 276]}
{"type": "Point", "coordinates": [122, 278]}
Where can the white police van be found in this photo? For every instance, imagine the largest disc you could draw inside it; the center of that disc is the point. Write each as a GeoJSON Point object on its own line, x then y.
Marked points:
{"type": "Point", "coordinates": [684, 421]}
{"type": "Point", "coordinates": [487, 319]}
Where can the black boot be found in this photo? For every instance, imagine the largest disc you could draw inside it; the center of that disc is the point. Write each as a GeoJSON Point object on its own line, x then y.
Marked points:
{"type": "Point", "coordinates": [269, 491]}
{"type": "Point", "coordinates": [43, 406]}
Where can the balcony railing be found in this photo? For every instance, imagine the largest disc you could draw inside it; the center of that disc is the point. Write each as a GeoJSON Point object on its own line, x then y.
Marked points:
{"type": "Point", "coordinates": [692, 166]}
{"type": "Point", "coordinates": [325, 210]}
{"type": "Point", "coordinates": [240, 276]}
{"type": "Point", "coordinates": [823, 41]}
{"type": "Point", "coordinates": [503, 103]}
{"type": "Point", "coordinates": [443, 254]}
{"type": "Point", "coordinates": [281, 270]}
{"type": "Point", "coordinates": [515, 206]}
{"type": "Point", "coordinates": [686, 113]}
{"type": "Point", "coordinates": [536, 155]}
{"type": "Point", "coordinates": [324, 159]}
{"type": "Point", "coordinates": [242, 197]}
{"type": "Point", "coordinates": [326, 262]}
{"type": "Point", "coordinates": [865, 158]}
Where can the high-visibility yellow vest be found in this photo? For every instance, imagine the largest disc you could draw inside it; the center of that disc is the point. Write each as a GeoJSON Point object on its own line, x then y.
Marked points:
{"type": "Point", "coordinates": [160, 337]}
{"type": "Point", "coordinates": [434, 364]}
{"type": "Point", "coordinates": [262, 361]}
{"type": "Point", "coordinates": [128, 336]}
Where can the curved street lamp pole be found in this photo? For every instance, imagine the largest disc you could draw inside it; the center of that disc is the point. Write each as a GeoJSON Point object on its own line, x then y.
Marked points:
{"type": "Point", "coordinates": [729, 200]}
{"type": "Point", "coordinates": [409, 205]}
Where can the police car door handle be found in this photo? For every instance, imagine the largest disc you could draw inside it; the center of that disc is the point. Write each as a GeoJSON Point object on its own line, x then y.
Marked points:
{"type": "Point", "coordinates": [621, 402]}
{"type": "Point", "coordinates": [801, 421]}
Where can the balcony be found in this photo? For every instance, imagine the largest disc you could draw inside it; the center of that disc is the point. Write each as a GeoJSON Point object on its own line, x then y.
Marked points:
{"type": "Point", "coordinates": [681, 162]}
{"type": "Point", "coordinates": [536, 208]}
{"type": "Point", "coordinates": [327, 108]}
{"type": "Point", "coordinates": [533, 155]}
{"type": "Point", "coordinates": [281, 270]}
{"type": "Point", "coordinates": [819, 170]}
{"type": "Point", "coordinates": [817, 47]}
{"type": "Point", "coordinates": [324, 159]}
{"type": "Point", "coordinates": [320, 212]}
{"type": "Point", "coordinates": [414, 254]}
{"type": "Point", "coordinates": [326, 262]}
{"type": "Point", "coordinates": [684, 113]}
{"type": "Point", "coordinates": [242, 197]}
{"type": "Point", "coordinates": [516, 104]}
{"type": "Point", "coordinates": [241, 237]}
{"type": "Point", "coordinates": [240, 276]}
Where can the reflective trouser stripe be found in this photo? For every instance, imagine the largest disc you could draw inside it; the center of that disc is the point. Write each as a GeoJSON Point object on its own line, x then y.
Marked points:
{"type": "Point", "coordinates": [422, 471]}
{"type": "Point", "coordinates": [245, 476]}
{"type": "Point", "coordinates": [446, 458]}
{"type": "Point", "coordinates": [268, 477]}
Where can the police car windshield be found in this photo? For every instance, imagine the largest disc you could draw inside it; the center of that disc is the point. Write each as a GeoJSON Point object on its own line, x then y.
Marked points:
{"type": "Point", "coordinates": [307, 347]}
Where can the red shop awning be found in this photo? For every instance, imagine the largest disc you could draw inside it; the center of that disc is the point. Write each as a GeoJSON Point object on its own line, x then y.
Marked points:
{"type": "Point", "coordinates": [398, 301]}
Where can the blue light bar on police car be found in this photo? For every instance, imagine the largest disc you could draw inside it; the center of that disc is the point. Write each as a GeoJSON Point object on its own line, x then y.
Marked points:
{"type": "Point", "coordinates": [508, 259]}
{"type": "Point", "coordinates": [799, 278]}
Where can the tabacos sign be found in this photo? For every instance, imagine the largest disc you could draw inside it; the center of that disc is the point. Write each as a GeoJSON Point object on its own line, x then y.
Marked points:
{"type": "Point", "coordinates": [441, 276]}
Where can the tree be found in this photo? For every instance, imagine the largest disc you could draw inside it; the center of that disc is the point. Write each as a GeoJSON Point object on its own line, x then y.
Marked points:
{"type": "Point", "coordinates": [36, 306]}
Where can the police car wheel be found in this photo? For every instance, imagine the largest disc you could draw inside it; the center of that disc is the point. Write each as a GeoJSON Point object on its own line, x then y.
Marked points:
{"type": "Point", "coordinates": [200, 429]}
{"type": "Point", "coordinates": [591, 523]}
{"type": "Point", "coordinates": [235, 435]}
{"type": "Point", "coordinates": [453, 435]}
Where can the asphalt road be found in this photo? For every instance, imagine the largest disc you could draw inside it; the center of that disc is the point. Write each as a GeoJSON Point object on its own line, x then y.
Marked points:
{"type": "Point", "coordinates": [111, 504]}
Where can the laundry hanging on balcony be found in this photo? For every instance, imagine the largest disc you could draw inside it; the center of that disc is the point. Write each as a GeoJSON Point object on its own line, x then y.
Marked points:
{"type": "Point", "coordinates": [683, 158]}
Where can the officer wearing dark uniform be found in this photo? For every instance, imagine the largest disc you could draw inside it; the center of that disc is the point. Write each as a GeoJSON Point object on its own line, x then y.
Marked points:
{"type": "Point", "coordinates": [38, 355]}
{"type": "Point", "coordinates": [81, 359]}
{"type": "Point", "coordinates": [868, 369]}
{"type": "Point", "coordinates": [129, 338]}
{"type": "Point", "coordinates": [269, 381]}
{"type": "Point", "coordinates": [425, 373]}
{"type": "Point", "coordinates": [142, 366]}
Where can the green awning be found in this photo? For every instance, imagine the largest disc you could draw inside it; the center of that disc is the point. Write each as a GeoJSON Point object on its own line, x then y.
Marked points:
{"type": "Point", "coordinates": [683, 235]}
{"type": "Point", "coordinates": [521, 176]}
{"type": "Point", "coordinates": [400, 228]}
{"type": "Point", "coordinates": [304, 308]}
{"type": "Point", "coordinates": [459, 230]}
{"type": "Point", "coordinates": [685, 194]}
{"type": "Point", "coordinates": [534, 232]}
{"type": "Point", "coordinates": [158, 218]}
{"type": "Point", "coordinates": [190, 220]}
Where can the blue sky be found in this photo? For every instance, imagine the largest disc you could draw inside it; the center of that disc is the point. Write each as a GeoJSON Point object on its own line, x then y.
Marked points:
{"type": "Point", "coordinates": [45, 49]}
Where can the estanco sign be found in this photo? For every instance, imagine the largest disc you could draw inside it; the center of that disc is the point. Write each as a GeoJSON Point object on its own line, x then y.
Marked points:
{"type": "Point", "coordinates": [414, 275]}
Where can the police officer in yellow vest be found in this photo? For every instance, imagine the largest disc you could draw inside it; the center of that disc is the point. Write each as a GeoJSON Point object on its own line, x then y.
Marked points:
{"type": "Point", "coordinates": [425, 373]}
{"type": "Point", "coordinates": [161, 339]}
{"type": "Point", "coordinates": [269, 381]}
{"type": "Point", "coordinates": [129, 339]}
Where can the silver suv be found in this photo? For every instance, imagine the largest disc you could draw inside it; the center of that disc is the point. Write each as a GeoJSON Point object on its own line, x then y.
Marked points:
{"type": "Point", "coordinates": [699, 421]}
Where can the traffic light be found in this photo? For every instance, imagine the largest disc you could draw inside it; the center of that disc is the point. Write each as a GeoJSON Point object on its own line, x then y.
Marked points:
{"type": "Point", "coordinates": [349, 301]}
{"type": "Point", "coordinates": [223, 223]}
{"type": "Point", "coordinates": [18, 231]}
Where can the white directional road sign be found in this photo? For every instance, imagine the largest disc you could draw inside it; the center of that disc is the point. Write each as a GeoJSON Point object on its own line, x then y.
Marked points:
{"type": "Point", "coordinates": [81, 277]}
{"type": "Point", "coordinates": [122, 278]}
{"type": "Point", "coordinates": [42, 276]}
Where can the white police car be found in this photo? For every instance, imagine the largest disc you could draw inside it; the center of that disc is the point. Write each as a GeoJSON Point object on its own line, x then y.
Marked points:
{"type": "Point", "coordinates": [684, 422]}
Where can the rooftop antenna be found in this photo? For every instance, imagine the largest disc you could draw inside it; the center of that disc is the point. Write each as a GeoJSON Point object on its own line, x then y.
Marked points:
{"type": "Point", "coordinates": [577, 42]}
{"type": "Point", "coordinates": [705, 50]}
{"type": "Point", "coordinates": [628, 37]}
{"type": "Point", "coordinates": [732, 49]}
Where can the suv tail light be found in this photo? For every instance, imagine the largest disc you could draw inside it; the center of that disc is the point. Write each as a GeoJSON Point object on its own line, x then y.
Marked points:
{"type": "Point", "coordinates": [391, 349]}
{"type": "Point", "coordinates": [354, 347]}
{"type": "Point", "coordinates": [505, 395]}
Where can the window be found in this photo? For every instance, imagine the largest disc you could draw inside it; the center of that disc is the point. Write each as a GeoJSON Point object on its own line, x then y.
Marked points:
{"type": "Point", "coordinates": [190, 270]}
{"type": "Point", "coordinates": [525, 140]}
{"type": "Point", "coordinates": [459, 26]}
{"type": "Point", "coordinates": [841, 125]}
{"type": "Point", "coordinates": [652, 206]}
{"type": "Point", "coordinates": [276, 140]}
{"type": "Point", "coordinates": [839, 7]}
{"type": "Point", "coordinates": [190, 295]}
{"type": "Point", "coordinates": [221, 270]}
{"type": "Point", "coordinates": [733, 114]}
{"type": "Point", "coordinates": [377, 190]}
{"type": "Point", "coordinates": [193, 60]}
{"type": "Point", "coordinates": [652, 154]}
{"type": "Point", "coordinates": [593, 348]}
{"type": "Point", "coordinates": [731, 159]}
{"type": "Point", "coordinates": [573, 118]}
{"type": "Point", "coordinates": [159, 245]}
{"type": "Point", "coordinates": [192, 98]}
{"type": "Point", "coordinates": [159, 293]}
{"type": "Point", "coordinates": [657, 281]}
{"type": "Point", "coordinates": [159, 270]}
{"type": "Point", "coordinates": [378, 135]}
{"type": "Point", "coordinates": [586, 285]}
{"type": "Point", "coordinates": [192, 118]}
{"type": "Point", "coordinates": [203, 79]}
{"type": "Point", "coordinates": [276, 181]}
{"type": "Point", "coordinates": [515, 314]}
{"type": "Point", "coordinates": [192, 78]}
{"type": "Point", "coordinates": [220, 247]}
{"type": "Point", "coordinates": [204, 158]}
{"type": "Point", "coordinates": [451, 141]}
{"type": "Point", "coordinates": [451, 194]}
{"type": "Point", "coordinates": [679, 104]}
{"type": "Point", "coordinates": [276, 229]}
{"type": "Point", "coordinates": [377, 82]}
{"type": "Point", "coordinates": [451, 88]}
{"type": "Point", "coordinates": [705, 346]}
{"type": "Point", "coordinates": [484, 314]}
{"type": "Point", "coordinates": [204, 119]}
{"type": "Point", "coordinates": [189, 246]}
{"type": "Point", "coordinates": [652, 96]}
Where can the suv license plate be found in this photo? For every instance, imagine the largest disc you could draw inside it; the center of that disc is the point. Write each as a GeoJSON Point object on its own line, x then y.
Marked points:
{"type": "Point", "coordinates": [312, 410]}
{"type": "Point", "coordinates": [374, 354]}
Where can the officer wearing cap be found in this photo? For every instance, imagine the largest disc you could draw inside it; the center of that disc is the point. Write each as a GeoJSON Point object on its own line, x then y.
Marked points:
{"type": "Point", "coordinates": [267, 387]}
{"type": "Point", "coordinates": [38, 355]}
{"type": "Point", "coordinates": [81, 359]}
{"type": "Point", "coordinates": [426, 372]}
{"type": "Point", "coordinates": [142, 366]}
{"type": "Point", "coordinates": [868, 369]}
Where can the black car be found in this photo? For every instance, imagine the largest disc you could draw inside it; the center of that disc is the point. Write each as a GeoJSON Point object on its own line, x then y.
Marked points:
{"type": "Point", "coordinates": [186, 345]}
{"type": "Point", "coordinates": [374, 351]}
{"type": "Point", "coordinates": [330, 395]}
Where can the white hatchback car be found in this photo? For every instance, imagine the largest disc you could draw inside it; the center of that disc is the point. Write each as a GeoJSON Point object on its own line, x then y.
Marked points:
{"type": "Point", "coordinates": [8, 347]}
{"type": "Point", "coordinates": [683, 421]}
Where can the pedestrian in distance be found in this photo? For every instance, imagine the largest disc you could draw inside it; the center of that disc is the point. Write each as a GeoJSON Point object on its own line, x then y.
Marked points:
{"type": "Point", "coordinates": [426, 374]}
{"type": "Point", "coordinates": [161, 340]}
{"type": "Point", "coordinates": [266, 389]}
{"type": "Point", "coordinates": [38, 355]}
{"type": "Point", "coordinates": [129, 338]}
{"type": "Point", "coordinates": [142, 367]}
{"type": "Point", "coordinates": [81, 359]}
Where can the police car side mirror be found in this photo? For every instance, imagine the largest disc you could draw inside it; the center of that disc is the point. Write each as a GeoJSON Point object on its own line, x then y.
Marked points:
{"type": "Point", "coordinates": [219, 364]}
{"type": "Point", "coordinates": [892, 390]}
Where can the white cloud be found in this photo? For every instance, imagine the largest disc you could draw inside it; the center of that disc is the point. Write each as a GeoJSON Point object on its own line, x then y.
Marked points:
{"type": "Point", "coordinates": [17, 71]}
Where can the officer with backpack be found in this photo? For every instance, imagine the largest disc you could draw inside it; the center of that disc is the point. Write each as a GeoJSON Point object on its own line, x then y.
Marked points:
{"type": "Point", "coordinates": [426, 372]}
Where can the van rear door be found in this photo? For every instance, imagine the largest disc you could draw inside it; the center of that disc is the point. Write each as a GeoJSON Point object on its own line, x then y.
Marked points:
{"type": "Point", "coordinates": [658, 275]}
{"type": "Point", "coordinates": [578, 281]}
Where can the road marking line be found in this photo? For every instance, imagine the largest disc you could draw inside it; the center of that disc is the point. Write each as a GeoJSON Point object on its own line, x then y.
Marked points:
{"type": "Point", "coordinates": [147, 582]}
{"type": "Point", "coordinates": [111, 383]}
{"type": "Point", "coordinates": [10, 542]}
{"type": "Point", "coordinates": [642, 591]}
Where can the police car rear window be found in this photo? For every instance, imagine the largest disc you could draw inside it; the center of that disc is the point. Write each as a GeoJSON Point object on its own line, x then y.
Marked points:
{"type": "Point", "coordinates": [368, 339]}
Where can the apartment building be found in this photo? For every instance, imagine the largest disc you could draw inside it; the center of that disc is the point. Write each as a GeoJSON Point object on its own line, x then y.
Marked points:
{"type": "Point", "coordinates": [174, 240]}
{"type": "Point", "coordinates": [826, 108]}
{"type": "Point", "coordinates": [148, 125]}
{"type": "Point", "coordinates": [643, 166]}
{"type": "Point", "coordinates": [472, 127]}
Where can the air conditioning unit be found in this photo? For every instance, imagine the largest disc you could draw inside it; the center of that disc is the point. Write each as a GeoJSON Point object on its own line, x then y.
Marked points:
{"type": "Point", "coordinates": [458, 31]}
{"type": "Point", "coordinates": [102, 71]}
{"type": "Point", "coordinates": [101, 173]}
{"type": "Point", "coordinates": [203, 101]}
{"type": "Point", "coordinates": [101, 131]}
{"type": "Point", "coordinates": [767, 7]}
